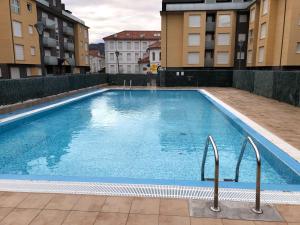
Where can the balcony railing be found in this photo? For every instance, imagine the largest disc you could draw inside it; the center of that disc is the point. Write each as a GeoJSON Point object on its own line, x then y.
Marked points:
{"type": "Point", "coordinates": [68, 30]}
{"type": "Point", "coordinates": [69, 46]}
{"type": "Point", "coordinates": [49, 42]}
{"type": "Point", "coordinates": [210, 26]}
{"type": "Point", "coordinates": [51, 60]}
{"type": "Point", "coordinates": [49, 24]}
{"type": "Point", "coordinates": [210, 44]}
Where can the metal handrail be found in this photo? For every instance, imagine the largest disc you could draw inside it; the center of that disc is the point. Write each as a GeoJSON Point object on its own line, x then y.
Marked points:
{"type": "Point", "coordinates": [257, 208]}
{"type": "Point", "coordinates": [210, 140]}
{"type": "Point", "coordinates": [124, 85]}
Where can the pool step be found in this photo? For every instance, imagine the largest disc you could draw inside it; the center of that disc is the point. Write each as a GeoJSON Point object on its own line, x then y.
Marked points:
{"type": "Point", "coordinates": [225, 180]}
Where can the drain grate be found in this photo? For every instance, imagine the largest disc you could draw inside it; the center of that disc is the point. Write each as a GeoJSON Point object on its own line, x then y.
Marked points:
{"type": "Point", "coordinates": [151, 191]}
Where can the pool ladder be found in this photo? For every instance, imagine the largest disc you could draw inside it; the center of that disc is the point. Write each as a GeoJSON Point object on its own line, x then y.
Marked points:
{"type": "Point", "coordinates": [130, 84]}
{"type": "Point", "coordinates": [216, 207]}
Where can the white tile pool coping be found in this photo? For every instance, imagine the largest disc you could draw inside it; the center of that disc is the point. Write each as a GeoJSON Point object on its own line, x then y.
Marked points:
{"type": "Point", "coordinates": [157, 191]}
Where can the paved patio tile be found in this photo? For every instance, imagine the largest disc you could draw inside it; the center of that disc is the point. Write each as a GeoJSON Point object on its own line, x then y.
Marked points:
{"type": "Point", "coordinates": [50, 217]}
{"type": "Point", "coordinates": [204, 221]}
{"type": "Point", "coordinates": [117, 204]}
{"type": "Point", "coordinates": [173, 220]}
{"type": "Point", "coordinates": [291, 213]}
{"type": "Point", "coordinates": [62, 202]}
{"type": "Point", "coordinates": [20, 217]}
{"type": "Point", "coordinates": [90, 203]}
{"type": "Point", "coordinates": [111, 219]}
{"type": "Point", "coordinates": [81, 218]}
{"type": "Point", "coordinates": [174, 207]}
{"type": "Point", "coordinates": [269, 223]}
{"type": "Point", "coordinates": [237, 222]}
{"type": "Point", "coordinates": [137, 219]}
{"type": "Point", "coordinates": [35, 201]}
{"type": "Point", "coordinates": [10, 199]}
{"type": "Point", "coordinates": [4, 212]}
{"type": "Point", "coordinates": [145, 206]}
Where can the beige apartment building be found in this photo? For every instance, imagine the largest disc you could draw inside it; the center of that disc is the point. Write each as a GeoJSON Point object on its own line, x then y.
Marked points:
{"type": "Point", "coordinates": [64, 42]}
{"type": "Point", "coordinates": [226, 34]}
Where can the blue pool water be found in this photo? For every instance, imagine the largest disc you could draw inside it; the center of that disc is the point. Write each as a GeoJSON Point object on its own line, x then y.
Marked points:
{"type": "Point", "coordinates": [132, 134]}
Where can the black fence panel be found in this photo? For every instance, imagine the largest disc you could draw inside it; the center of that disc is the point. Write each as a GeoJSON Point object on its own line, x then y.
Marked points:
{"type": "Point", "coordinates": [244, 80]}
{"type": "Point", "coordinates": [13, 91]}
{"type": "Point", "coordinates": [136, 79]}
{"type": "Point", "coordinates": [264, 83]}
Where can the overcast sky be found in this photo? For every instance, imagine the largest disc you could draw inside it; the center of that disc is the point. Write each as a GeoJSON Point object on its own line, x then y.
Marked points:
{"type": "Point", "coordinates": [105, 17]}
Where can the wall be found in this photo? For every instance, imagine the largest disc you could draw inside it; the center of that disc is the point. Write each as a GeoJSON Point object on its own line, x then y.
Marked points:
{"type": "Point", "coordinates": [283, 86]}
{"type": "Point", "coordinates": [80, 41]}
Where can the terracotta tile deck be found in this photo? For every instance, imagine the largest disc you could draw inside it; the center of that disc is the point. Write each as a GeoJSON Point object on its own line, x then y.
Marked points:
{"type": "Point", "coordinates": [92, 210]}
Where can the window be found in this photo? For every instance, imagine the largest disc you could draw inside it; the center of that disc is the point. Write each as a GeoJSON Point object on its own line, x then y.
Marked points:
{"type": "Point", "coordinates": [136, 45]}
{"type": "Point", "coordinates": [265, 7]}
{"type": "Point", "coordinates": [263, 31]}
{"type": "Point", "coordinates": [137, 56]}
{"type": "Point", "coordinates": [240, 55]}
{"type": "Point", "coordinates": [223, 58]}
{"type": "Point", "coordinates": [85, 34]}
{"type": "Point", "coordinates": [17, 29]}
{"type": "Point", "coordinates": [252, 15]}
{"type": "Point", "coordinates": [54, 2]}
{"type": "Point", "coordinates": [111, 56]}
{"type": "Point", "coordinates": [121, 57]}
{"type": "Point", "coordinates": [81, 43]}
{"type": "Point", "coordinates": [261, 54]}
{"type": "Point", "coordinates": [242, 37]}
{"type": "Point", "coordinates": [145, 45]}
{"type": "Point", "coordinates": [30, 29]}
{"type": "Point", "coordinates": [194, 39]}
{"type": "Point", "coordinates": [193, 58]}
{"type": "Point", "coordinates": [298, 47]}
{"type": "Point", "coordinates": [32, 51]}
{"type": "Point", "coordinates": [120, 45]}
{"type": "Point", "coordinates": [250, 36]}
{"type": "Point", "coordinates": [14, 73]}
{"type": "Point", "coordinates": [86, 46]}
{"type": "Point", "coordinates": [137, 68]}
{"type": "Point", "coordinates": [86, 60]}
{"type": "Point", "coordinates": [128, 57]}
{"type": "Point", "coordinates": [121, 68]}
{"type": "Point", "coordinates": [29, 7]}
{"type": "Point", "coordinates": [128, 68]}
{"type": "Point", "coordinates": [112, 69]}
{"type": "Point", "coordinates": [19, 52]}
{"type": "Point", "coordinates": [128, 45]}
{"type": "Point", "coordinates": [15, 6]}
{"type": "Point", "coordinates": [111, 45]}
{"type": "Point", "coordinates": [249, 57]}
{"type": "Point", "coordinates": [223, 39]}
{"type": "Point", "coordinates": [224, 21]}
{"type": "Point", "coordinates": [243, 18]}
{"type": "Point", "coordinates": [153, 56]}
{"type": "Point", "coordinates": [0, 72]}
{"type": "Point", "coordinates": [194, 21]}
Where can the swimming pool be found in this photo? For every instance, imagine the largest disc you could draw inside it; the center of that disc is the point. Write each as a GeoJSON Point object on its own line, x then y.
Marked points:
{"type": "Point", "coordinates": [149, 136]}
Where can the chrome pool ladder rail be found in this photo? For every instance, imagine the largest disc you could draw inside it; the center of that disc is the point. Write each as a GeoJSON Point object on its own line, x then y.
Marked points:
{"type": "Point", "coordinates": [249, 140]}
{"type": "Point", "coordinates": [124, 85]}
{"type": "Point", "coordinates": [210, 140]}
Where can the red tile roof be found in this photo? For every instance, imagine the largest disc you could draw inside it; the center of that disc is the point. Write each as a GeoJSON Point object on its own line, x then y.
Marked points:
{"type": "Point", "coordinates": [134, 35]}
{"type": "Point", "coordinates": [144, 60]}
{"type": "Point", "coordinates": [155, 45]}
{"type": "Point", "coordinates": [95, 53]}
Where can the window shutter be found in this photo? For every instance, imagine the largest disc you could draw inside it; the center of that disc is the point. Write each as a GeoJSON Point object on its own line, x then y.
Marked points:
{"type": "Point", "coordinates": [19, 50]}
{"type": "Point", "coordinates": [223, 58]}
{"type": "Point", "coordinates": [17, 29]}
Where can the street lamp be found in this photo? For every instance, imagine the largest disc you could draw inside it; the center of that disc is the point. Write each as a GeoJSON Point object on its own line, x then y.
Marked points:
{"type": "Point", "coordinates": [40, 27]}
{"type": "Point", "coordinates": [118, 54]}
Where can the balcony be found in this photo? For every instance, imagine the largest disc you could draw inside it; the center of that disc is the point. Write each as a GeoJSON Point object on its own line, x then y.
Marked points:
{"type": "Point", "coordinates": [210, 26]}
{"type": "Point", "coordinates": [209, 62]}
{"type": "Point", "coordinates": [68, 46]}
{"type": "Point", "coordinates": [51, 60]}
{"type": "Point", "coordinates": [68, 30]}
{"type": "Point", "coordinates": [49, 42]}
{"type": "Point", "coordinates": [71, 61]}
{"type": "Point", "coordinates": [49, 24]}
{"type": "Point", "coordinates": [210, 44]}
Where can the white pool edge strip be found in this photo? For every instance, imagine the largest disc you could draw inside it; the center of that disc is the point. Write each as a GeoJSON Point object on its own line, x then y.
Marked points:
{"type": "Point", "coordinates": [286, 147]}
{"type": "Point", "coordinates": [50, 106]}
{"type": "Point", "coordinates": [148, 191]}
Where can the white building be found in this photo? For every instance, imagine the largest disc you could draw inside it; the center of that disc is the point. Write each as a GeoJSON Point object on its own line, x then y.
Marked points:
{"type": "Point", "coordinates": [97, 61]}
{"type": "Point", "coordinates": [151, 62]}
{"type": "Point", "coordinates": [131, 46]}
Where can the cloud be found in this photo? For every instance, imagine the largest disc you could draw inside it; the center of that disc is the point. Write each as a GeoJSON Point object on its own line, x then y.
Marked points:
{"type": "Point", "coordinates": [105, 17]}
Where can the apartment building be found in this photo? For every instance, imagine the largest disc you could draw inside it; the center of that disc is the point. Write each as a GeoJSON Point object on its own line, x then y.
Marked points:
{"type": "Point", "coordinates": [226, 34]}
{"type": "Point", "coordinates": [97, 61]}
{"type": "Point", "coordinates": [63, 47]}
{"type": "Point", "coordinates": [123, 50]}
